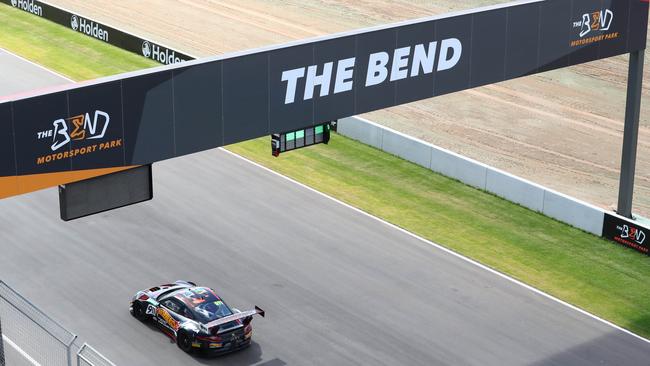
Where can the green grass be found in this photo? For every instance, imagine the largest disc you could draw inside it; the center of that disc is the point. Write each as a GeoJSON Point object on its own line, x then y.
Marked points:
{"type": "Point", "coordinates": [582, 269]}
{"type": "Point", "coordinates": [63, 50]}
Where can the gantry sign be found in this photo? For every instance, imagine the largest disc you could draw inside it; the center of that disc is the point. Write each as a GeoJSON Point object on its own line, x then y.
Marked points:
{"type": "Point", "coordinates": [93, 128]}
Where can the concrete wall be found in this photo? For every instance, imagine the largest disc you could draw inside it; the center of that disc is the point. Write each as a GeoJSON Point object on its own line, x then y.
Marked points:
{"type": "Point", "coordinates": [518, 190]}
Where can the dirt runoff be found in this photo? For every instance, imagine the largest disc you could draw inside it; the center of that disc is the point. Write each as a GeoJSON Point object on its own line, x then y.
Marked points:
{"type": "Point", "coordinates": [562, 129]}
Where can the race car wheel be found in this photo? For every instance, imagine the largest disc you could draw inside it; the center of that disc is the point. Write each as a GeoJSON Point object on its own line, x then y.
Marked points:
{"type": "Point", "coordinates": [184, 342]}
{"type": "Point", "coordinates": [140, 311]}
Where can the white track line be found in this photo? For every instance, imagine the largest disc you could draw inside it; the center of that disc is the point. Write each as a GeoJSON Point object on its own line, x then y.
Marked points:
{"type": "Point", "coordinates": [438, 246]}
{"type": "Point", "coordinates": [444, 249]}
{"type": "Point", "coordinates": [37, 65]}
{"type": "Point", "coordinates": [20, 350]}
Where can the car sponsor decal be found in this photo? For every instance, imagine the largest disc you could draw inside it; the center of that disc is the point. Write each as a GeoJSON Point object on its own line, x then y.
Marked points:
{"type": "Point", "coordinates": [168, 319]}
{"type": "Point", "coordinates": [151, 310]}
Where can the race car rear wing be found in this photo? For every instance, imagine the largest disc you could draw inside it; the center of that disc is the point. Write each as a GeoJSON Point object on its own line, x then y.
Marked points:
{"type": "Point", "coordinates": [229, 318]}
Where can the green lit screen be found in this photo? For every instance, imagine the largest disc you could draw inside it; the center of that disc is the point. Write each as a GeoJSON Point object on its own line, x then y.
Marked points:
{"type": "Point", "coordinates": [301, 138]}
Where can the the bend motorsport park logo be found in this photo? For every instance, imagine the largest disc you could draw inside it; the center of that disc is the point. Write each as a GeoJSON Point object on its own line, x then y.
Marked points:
{"type": "Point", "coordinates": [88, 27]}
{"type": "Point", "coordinates": [84, 127]}
{"type": "Point", "coordinates": [632, 233]}
{"type": "Point", "coordinates": [161, 54]}
{"type": "Point", "coordinates": [28, 6]}
{"type": "Point", "coordinates": [593, 27]}
{"type": "Point", "coordinates": [631, 236]}
{"type": "Point", "coordinates": [382, 67]}
{"type": "Point", "coordinates": [627, 233]}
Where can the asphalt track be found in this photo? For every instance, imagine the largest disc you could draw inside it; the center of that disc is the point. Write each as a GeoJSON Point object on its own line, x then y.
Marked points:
{"type": "Point", "coordinates": [17, 76]}
{"type": "Point", "coordinates": [339, 287]}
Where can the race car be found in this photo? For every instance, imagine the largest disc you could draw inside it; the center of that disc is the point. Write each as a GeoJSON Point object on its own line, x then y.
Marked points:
{"type": "Point", "coordinates": [194, 317]}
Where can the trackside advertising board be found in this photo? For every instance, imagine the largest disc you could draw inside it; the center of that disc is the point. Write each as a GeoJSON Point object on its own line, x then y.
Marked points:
{"type": "Point", "coordinates": [627, 233]}
{"type": "Point", "coordinates": [99, 31]}
{"type": "Point", "coordinates": [147, 116]}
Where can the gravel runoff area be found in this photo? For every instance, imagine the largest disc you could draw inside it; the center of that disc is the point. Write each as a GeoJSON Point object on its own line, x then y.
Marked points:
{"type": "Point", "coordinates": [562, 129]}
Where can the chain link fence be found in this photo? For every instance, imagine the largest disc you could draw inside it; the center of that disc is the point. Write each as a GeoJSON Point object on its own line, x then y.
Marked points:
{"type": "Point", "coordinates": [31, 338]}
{"type": "Point", "coordinates": [88, 356]}
{"type": "Point", "coordinates": [2, 351]}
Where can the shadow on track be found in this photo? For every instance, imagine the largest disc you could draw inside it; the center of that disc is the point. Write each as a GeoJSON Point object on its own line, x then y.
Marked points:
{"type": "Point", "coordinates": [598, 351]}
{"type": "Point", "coordinates": [246, 357]}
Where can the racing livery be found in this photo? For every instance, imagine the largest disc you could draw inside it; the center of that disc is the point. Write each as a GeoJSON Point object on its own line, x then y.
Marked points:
{"type": "Point", "coordinates": [194, 317]}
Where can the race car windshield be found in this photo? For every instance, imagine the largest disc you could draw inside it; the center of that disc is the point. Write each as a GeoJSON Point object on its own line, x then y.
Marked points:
{"type": "Point", "coordinates": [210, 311]}
{"type": "Point", "coordinates": [205, 304]}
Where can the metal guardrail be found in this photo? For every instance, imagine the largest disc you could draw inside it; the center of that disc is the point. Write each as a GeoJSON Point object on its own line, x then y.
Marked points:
{"type": "Point", "coordinates": [29, 337]}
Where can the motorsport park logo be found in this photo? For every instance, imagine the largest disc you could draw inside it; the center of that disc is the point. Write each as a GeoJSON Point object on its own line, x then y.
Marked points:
{"type": "Point", "coordinates": [161, 54]}
{"type": "Point", "coordinates": [631, 236]}
{"type": "Point", "coordinates": [78, 128]}
{"type": "Point", "coordinates": [593, 28]}
{"type": "Point", "coordinates": [632, 233]}
{"type": "Point", "coordinates": [28, 6]}
{"type": "Point", "coordinates": [88, 27]}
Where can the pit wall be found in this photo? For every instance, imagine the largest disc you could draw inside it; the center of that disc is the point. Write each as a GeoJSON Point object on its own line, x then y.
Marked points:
{"type": "Point", "coordinates": [471, 172]}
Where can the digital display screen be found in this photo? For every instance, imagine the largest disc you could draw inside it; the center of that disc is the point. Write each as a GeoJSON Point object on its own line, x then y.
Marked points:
{"type": "Point", "coordinates": [287, 141]}
{"type": "Point", "coordinates": [106, 192]}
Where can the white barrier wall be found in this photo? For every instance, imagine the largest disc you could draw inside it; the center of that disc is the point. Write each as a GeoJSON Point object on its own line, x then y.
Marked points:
{"type": "Point", "coordinates": [574, 212]}
{"type": "Point", "coordinates": [471, 172]}
{"type": "Point", "coordinates": [456, 166]}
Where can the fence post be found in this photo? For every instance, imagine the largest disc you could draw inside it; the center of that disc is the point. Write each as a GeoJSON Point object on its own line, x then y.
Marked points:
{"type": "Point", "coordinates": [2, 351]}
{"type": "Point", "coordinates": [79, 356]}
{"type": "Point", "coordinates": [74, 337]}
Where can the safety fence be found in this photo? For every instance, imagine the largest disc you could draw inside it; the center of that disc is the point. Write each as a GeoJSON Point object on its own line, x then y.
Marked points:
{"type": "Point", "coordinates": [88, 356]}
{"type": "Point", "coordinates": [31, 338]}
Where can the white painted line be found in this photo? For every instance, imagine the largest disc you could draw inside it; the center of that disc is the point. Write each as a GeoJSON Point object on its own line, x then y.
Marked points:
{"type": "Point", "coordinates": [20, 350]}
{"type": "Point", "coordinates": [446, 250]}
{"type": "Point", "coordinates": [438, 246]}
{"type": "Point", "coordinates": [37, 65]}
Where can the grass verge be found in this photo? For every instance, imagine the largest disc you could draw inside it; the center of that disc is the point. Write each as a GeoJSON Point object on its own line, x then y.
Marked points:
{"type": "Point", "coordinates": [584, 270]}
{"type": "Point", "coordinates": [61, 49]}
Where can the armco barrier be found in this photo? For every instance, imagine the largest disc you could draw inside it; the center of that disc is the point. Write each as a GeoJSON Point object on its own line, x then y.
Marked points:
{"type": "Point", "coordinates": [99, 31]}
{"type": "Point", "coordinates": [528, 194]}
